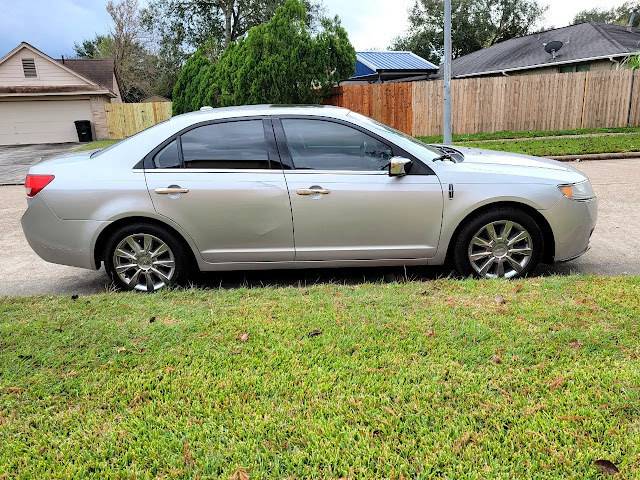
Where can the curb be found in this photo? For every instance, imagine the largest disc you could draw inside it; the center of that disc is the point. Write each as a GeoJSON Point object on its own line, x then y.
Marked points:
{"type": "Point", "coordinates": [596, 156]}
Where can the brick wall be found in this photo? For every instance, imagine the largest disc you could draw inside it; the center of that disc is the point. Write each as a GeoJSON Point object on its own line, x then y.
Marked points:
{"type": "Point", "coordinates": [99, 119]}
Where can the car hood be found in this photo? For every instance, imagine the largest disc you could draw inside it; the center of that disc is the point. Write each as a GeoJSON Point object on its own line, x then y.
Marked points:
{"type": "Point", "coordinates": [477, 160]}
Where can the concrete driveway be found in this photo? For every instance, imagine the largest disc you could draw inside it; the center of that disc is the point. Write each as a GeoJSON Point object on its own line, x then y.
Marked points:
{"type": "Point", "coordinates": [15, 160]}
{"type": "Point", "coordinates": [615, 247]}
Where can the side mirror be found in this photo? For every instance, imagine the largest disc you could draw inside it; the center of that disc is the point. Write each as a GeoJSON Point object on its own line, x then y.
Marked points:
{"type": "Point", "coordinates": [399, 166]}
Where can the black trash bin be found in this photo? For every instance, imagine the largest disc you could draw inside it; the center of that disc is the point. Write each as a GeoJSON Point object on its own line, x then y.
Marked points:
{"type": "Point", "coordinates": [83, 127]}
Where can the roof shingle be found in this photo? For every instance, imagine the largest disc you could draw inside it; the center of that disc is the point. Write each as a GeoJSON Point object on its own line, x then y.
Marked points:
{"type": "Point", "coordinates": [100, 71]}
{"type": "Point", "coordinates": [581, 41]}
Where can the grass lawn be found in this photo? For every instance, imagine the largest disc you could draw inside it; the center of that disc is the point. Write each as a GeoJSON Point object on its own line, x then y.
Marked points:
{"type": "Point", "coordinates": [439, 379]}
{"type": "Point", "coordinates": [543, 147]}
{"type": "Point", "coordinates": [98, 144]}
{"type": "Point", "coordinates": [505, 134]}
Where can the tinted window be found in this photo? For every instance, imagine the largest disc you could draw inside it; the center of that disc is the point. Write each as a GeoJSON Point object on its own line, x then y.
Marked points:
{"type": "Point", "coordinates": [168, 156]}
{"type": "Point", "coordinates": [226, 145]}
{"type": "Point", "coordinates": [322, 145]}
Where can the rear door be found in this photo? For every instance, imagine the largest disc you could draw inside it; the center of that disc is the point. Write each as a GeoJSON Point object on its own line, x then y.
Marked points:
{"type": "Point", "coordinates": [222, 182]}
{"type": "Point", "coordinates": [345, 205]}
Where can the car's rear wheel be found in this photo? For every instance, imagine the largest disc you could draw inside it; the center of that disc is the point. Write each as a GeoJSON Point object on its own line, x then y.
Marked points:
{"type": "Point", "coordinates": [145, 258]}
{"type": "Point", "coordinates": [499, 243]}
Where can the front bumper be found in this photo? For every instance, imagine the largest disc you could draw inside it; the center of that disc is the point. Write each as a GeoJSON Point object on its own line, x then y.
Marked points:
{"type": "Point", "coordinates": [67, 242]}
{"type": "Point", "coordinates": [572, 223]}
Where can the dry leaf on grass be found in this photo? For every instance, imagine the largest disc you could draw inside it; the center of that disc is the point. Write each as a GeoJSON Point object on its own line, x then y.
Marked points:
{"type": "Point", "coordinates": [389, 410]}
{"type": "Point", "coordinates": [462, 442]}
{"type": "Point", "coordinates": [499, 299]}
{"type": "Point", "coordinates": [140, 398]}
{"type": "Point", "coordinates": [431, 333]}
{"type": "Point", "coordinates": [240, 474]}
{"type": "Point", "coordinates": [575, 344]}
{"type": "Point", "coordinates": [187, 455]}
{"type": "Point", "coordinates": [557, 383]}
{"type": "Point", "coordinates": [606, 467]}
{"type": "Point", "coordinates": [244, 337]}
{"type": "Point", "coordinates": [518, 287]}
{"type": "Point", "coordinates": [122, 349]}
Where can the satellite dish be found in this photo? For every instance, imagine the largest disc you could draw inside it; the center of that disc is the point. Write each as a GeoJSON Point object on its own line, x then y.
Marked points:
{"type": "Point", "coordinates": [552, 47]}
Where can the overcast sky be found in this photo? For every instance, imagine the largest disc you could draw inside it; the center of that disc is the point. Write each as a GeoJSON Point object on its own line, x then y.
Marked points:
{"type": "Point", "coordinates": [54, 25]}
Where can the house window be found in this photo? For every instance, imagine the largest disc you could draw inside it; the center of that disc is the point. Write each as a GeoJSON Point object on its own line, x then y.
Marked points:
{"type": "Point", "coordinates": [29, 67]}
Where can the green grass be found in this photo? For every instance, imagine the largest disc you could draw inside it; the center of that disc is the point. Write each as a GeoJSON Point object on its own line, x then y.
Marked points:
{"type": "Point", "coordinates": [505, 134]}
{"type": "Point", "coordinates": [98, 144]}
{"type": "Point", "coordinates": [405, 380]}
{"type": "Point", "coordinates": [543, 147]}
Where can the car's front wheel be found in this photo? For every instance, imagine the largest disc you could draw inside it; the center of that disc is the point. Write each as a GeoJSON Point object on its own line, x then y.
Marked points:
{"type": "Point", "coordinates": [503, 242]}
{"type": "Point", "coordinates": [145, 258]}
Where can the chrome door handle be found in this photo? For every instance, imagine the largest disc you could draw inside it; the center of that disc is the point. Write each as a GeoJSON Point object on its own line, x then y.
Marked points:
{"type": "Point", "coordinates": [171, 190]}
{"type": "Point", "coordinates": [312, 191]}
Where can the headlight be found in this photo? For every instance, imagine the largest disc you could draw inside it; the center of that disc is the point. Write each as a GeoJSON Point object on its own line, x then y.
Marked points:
{"type": "Point", "coordinates": [578, 191]}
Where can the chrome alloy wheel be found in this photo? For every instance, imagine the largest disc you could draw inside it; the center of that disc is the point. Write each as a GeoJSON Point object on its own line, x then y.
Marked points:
{"type": "Point", "coordinates": [500, 249]}
{"type": "Point", "coordinates": [144, 262]}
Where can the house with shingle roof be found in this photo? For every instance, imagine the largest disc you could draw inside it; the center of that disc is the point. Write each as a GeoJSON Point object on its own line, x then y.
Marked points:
{"type": "Point", "coordinates": [585, 46]}
{"type": "Point", "coordinates": [41, 97]}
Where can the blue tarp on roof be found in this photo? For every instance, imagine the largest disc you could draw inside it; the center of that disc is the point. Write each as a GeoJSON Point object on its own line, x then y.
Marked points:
{"type": "Point", "coordinates": [368, 63]}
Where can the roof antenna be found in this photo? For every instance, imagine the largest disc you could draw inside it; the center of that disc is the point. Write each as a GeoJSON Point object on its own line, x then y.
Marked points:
{"type": "Point", "coordinates": [62, 59]}
{"type": "Point", "coordinates": [552, 48]}
{"type": "Point", "coordinates": [632, 19]}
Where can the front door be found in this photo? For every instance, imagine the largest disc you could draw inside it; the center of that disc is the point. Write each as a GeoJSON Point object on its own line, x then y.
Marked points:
{"type": "Point", "coordinates": [345, 205]}
{"type": "Point", "coordinates": [219, 182]}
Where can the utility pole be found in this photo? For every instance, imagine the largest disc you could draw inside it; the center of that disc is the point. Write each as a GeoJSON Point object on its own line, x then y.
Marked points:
{"type": "Point", "coordinates": [447, 140]}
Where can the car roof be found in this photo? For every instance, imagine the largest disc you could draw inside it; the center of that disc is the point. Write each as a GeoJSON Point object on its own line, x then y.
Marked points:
{"type": "Point", "coordinates": [209, 113]}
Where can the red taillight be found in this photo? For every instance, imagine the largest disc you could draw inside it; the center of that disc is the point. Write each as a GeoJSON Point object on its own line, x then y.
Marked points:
{"type": "Point", "coordinates": [35, 183]}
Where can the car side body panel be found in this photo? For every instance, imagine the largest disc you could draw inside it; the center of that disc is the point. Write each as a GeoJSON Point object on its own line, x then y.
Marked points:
{"type": "Point", "coordinates": [232, 216]}
{"type": "Point", "coordinates": [365, 215]}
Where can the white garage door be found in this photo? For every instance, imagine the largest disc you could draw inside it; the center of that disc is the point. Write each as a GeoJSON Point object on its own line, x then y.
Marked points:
{"type": "Point", "coordinates": [41, 121]}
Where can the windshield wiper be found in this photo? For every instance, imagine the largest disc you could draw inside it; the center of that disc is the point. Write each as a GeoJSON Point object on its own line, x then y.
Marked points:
{"type": "Point", "coordinates": [444, 156]}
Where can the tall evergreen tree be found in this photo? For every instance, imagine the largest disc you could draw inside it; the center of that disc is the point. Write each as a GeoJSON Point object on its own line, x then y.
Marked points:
{"type": "Point", "coordinates": [282, 61]}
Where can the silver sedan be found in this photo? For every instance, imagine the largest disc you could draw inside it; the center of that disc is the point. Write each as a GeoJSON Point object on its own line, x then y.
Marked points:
{"type": "Point", "coordinates": [265, 187]}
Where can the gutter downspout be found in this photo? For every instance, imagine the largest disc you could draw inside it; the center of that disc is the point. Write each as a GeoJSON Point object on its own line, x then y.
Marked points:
{"type": "Point", "coordinates": [617, 62]}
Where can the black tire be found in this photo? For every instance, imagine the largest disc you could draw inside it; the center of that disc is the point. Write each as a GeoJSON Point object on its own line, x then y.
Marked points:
{"type": "Point", "coordinates": [178, 254]}
{"type": "Point", "coordinates": [462, 248]}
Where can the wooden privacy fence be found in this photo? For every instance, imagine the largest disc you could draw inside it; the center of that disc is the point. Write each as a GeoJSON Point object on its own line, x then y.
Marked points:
{"type": "Point", "coordinates": [126, 119]}
{"type": "Point", "coordinates": [491, 104]}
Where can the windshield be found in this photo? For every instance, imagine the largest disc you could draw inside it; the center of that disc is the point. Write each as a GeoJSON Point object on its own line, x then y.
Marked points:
{"type": "Point", "coordinates": [402, 139]}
